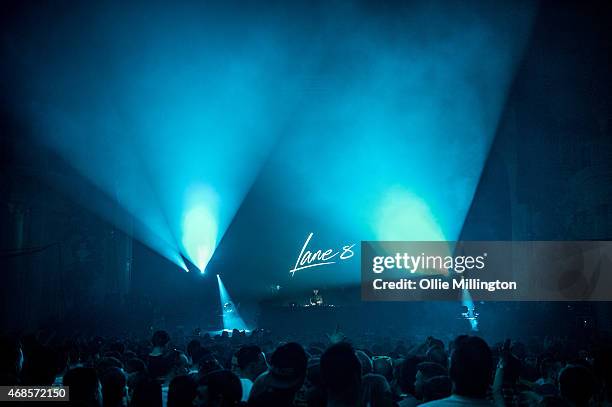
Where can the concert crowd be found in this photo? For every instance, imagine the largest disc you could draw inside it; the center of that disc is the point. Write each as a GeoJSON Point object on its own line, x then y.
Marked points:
{"type": "Point", "coordinates": [259, 368]}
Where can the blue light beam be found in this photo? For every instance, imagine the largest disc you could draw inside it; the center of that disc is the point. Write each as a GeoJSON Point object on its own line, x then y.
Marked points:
{"type": "Point", "coordinates": [231, 317]}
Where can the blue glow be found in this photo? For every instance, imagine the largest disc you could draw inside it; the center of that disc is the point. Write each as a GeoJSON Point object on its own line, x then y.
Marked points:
{"type": "Point", "coordinates": [395, 148]}
{"type": "Point", "coordinates": [466, 300]}
{"type": "Point", "coordinates": [200, 228]}
{"type": "Point", "coordinates": [176, 124]}
{"type": "Point", "coordinates": [231, 317]}
{"type": "Point", "coordinates": [404, 216]}
{"type": "Point", "coordinates": [375, 133]}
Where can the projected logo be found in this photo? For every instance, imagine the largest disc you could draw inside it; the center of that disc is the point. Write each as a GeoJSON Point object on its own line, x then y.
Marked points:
{"type": "Point", "coordinates": [308, 259]}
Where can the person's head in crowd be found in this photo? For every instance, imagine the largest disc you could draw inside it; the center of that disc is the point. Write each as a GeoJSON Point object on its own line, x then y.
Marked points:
{"type": "Point", "coordinates": [438, 355]}
{"type": "Point", "coordinates": [113, 354]}
{"type": "Point", "coordinates": [198, 354]}
{"type": "Point", "coordinates": [405, 376]}
{"type": "Point", "coordinates": [114, 387]}
{"type": "Point", "coordinates": [366, 362]}
{"type": "Point", "coordinates": [285, 376]}
{"type": "Point", "coordinates": [207, 363]}
{"type": "Point", "coordinates": [220, 388]}
{"type": "Point", "coordinates": [432, 342]}
{"type": "Point", "coordinates": [249, 362]}
{"type": "Point", "coordinates": [576, 385]}
{"type": "Point", "coordinates": [163, 362]}
{"type": "Point", "coordinates": [85, 387]}
{"type": "Point", "coordinates": [117, 346]}
{"type": "Point", "coordinates": [160, 341]}
{"type": "Point", "coordinates": [288, 365]}
{"type": "Point", "coordinates": [182, 391]}
{"type": "Point", "coordinates": [425, 371]}
{"type": "Point", "coordinates": [106, 363]}
{"type": "Point", "coordinates": [471, 367]}
{"type": "Point", "coordinates": [145, 392]}
{"type": "Point", "coordinates": [436, 388]}
{"type": "Point", "coordinates": [341, 375]}
{"type": "Point", "coordinates": [11, 361]}
{"type": "Point", "coordinates": [40, 366]}
{"type": "Point", "coordinates": [383, 365]}
{"type": "Point", "coordinates": [375, 391]}
{"type": "Point", "coordinates": [128, 354]}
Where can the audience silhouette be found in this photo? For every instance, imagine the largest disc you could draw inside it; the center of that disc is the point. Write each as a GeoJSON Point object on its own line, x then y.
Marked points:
{"type": "Point", "coordinates": [262, 369]}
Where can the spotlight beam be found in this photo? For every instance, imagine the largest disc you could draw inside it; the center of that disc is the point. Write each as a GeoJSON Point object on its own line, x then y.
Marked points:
{"type": "Point", "coordinates": [148, 178]}
{"type": "Point", "coordinates": [231, 317]}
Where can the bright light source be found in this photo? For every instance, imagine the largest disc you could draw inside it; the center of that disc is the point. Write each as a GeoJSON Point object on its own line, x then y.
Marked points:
{"type": "Point", "coordinates": [178, 259]}
{"type": "Point", "coordinates": [200, 228]}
